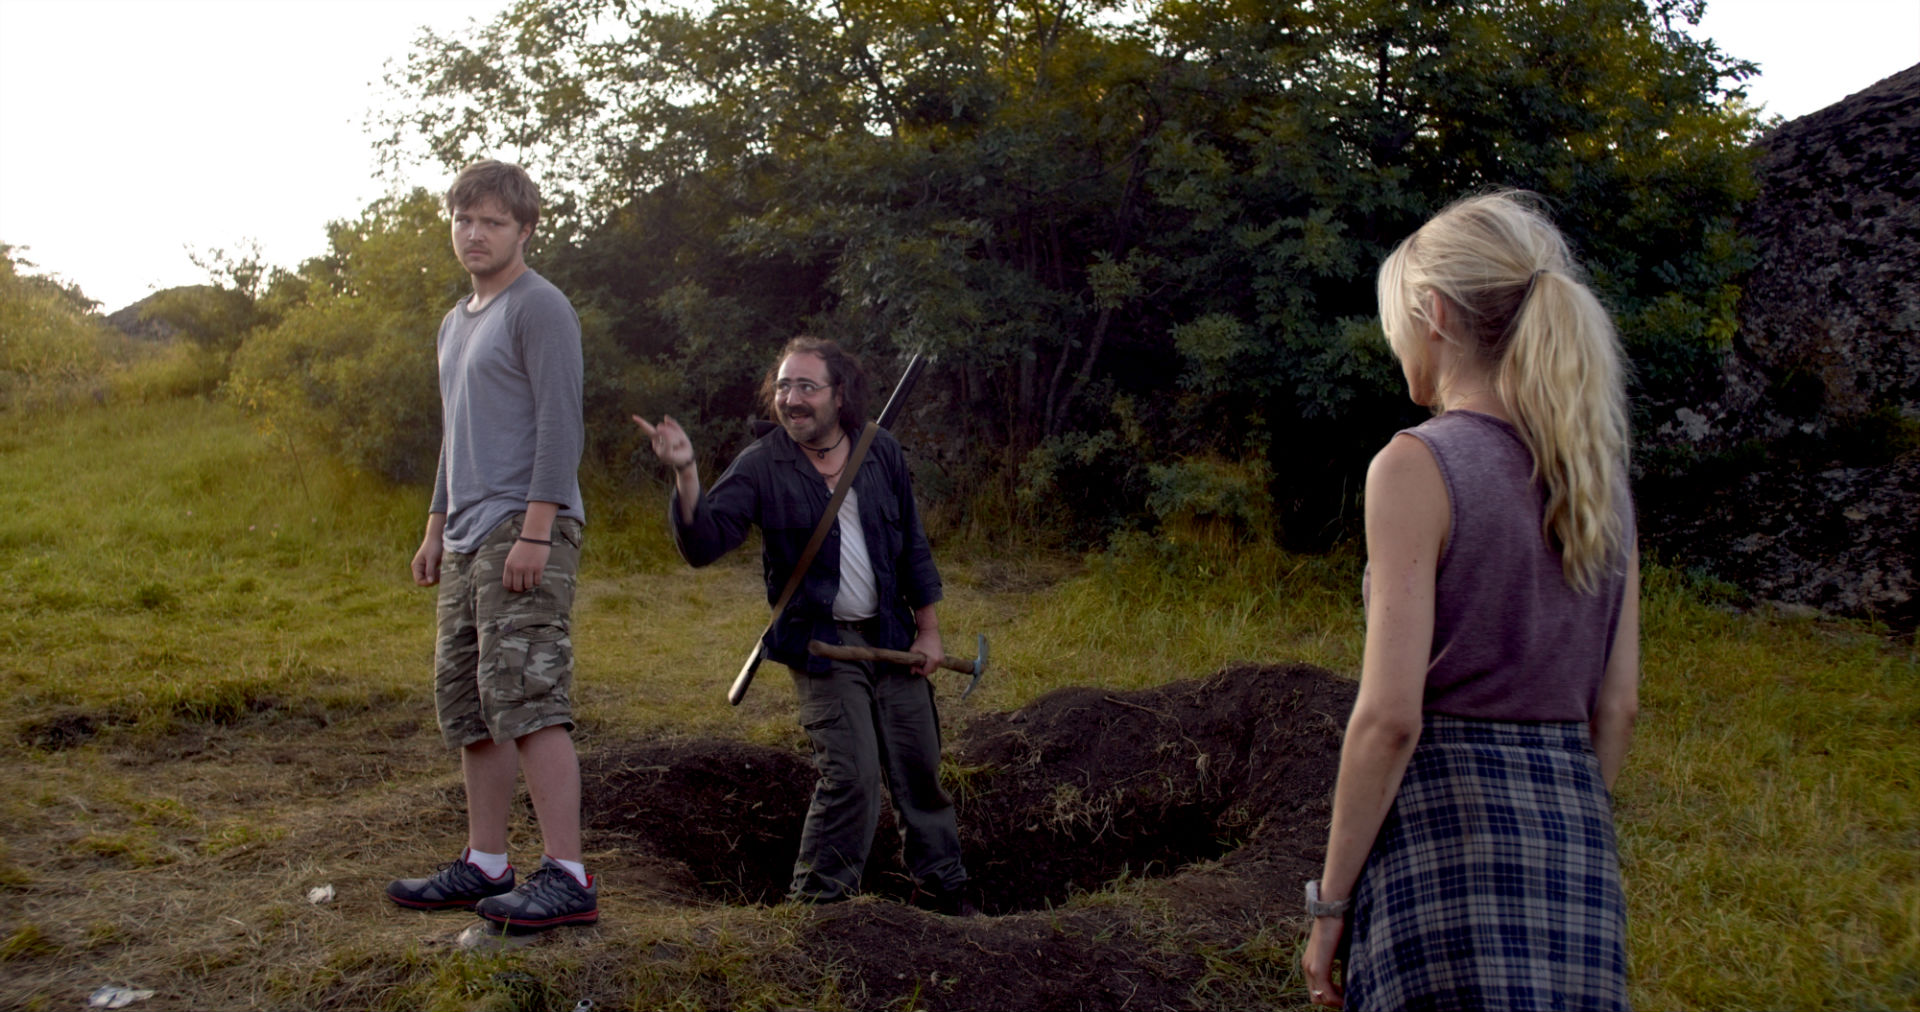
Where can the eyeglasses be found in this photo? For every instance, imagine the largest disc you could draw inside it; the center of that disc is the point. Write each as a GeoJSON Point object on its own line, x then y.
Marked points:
{"type": "Point", "coordinates": [805, 388]}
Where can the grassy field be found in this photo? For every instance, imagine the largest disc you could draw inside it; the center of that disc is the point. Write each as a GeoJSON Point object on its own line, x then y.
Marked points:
{"type": "Point", "coordinates": [212, 683]}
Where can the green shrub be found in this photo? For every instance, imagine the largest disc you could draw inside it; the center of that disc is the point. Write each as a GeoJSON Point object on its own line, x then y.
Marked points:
{"type": "Point", "coordinates": [52, 346]}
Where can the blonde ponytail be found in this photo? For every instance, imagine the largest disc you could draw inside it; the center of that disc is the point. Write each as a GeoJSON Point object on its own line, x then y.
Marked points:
{"type": "Point", "coordinates": [1522, 304]}
{"type": "Point", "coordinates": [1563, 377]}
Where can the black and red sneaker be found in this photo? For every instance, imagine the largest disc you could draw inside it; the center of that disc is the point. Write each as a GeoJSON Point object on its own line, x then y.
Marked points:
{"type": "Point", "coordinates": [456, 885]}
{"type": "Point", "coordinates": [549, 898]}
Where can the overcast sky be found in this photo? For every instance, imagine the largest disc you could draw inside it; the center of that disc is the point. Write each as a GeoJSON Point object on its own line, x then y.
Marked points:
{"type": "Point", "coordinates": [134, 130]}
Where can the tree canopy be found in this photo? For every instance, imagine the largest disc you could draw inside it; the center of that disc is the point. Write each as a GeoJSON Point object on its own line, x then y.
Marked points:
{"type": "Point", "coordinates": [1140, 238]}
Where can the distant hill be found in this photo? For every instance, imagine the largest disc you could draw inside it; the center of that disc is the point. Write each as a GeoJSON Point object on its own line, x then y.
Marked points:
{"type": "Point", "coordinates": [131, 322]}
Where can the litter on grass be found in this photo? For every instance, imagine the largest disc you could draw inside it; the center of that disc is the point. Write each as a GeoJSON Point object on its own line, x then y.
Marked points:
{"type": "Point", "coordinates": [488, 937]}
{"type": "Point", "coordinates": [112, 996]}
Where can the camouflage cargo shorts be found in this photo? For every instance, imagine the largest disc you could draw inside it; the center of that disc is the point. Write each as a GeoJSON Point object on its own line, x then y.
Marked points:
{"type": "Point", "coordinates": [503, 666]}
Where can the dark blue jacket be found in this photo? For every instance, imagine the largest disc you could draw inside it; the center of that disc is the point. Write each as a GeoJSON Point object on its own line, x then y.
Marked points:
{"type": "Point", "coordinates": [771, 484]}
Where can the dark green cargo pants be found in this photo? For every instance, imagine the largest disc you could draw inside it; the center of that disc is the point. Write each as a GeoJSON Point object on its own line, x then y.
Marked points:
{"type": "Point", "coordinates": [872, 725]}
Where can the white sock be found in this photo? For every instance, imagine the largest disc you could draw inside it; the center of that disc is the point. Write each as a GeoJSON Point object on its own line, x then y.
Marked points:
{"type": "Point", "coordinates": [490, 865]}
{"type": "Point", "coordinates": [574, 868]}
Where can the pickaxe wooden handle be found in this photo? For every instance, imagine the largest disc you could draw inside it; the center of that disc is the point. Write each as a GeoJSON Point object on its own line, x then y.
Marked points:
{"type": "Point", "coordinates": [975, 667]}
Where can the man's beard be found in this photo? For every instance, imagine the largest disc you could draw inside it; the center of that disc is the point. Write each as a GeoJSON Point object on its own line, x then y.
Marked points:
{"type": "Point", "coordinates": [806, 425]}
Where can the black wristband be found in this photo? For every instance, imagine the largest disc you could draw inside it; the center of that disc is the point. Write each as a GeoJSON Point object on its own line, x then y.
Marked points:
{"type": "Point", "coordinates": [536, 541]}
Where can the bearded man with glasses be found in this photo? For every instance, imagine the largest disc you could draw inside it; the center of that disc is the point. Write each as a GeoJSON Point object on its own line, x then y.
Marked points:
{"type": "Point", "coordinates": [873, 583]}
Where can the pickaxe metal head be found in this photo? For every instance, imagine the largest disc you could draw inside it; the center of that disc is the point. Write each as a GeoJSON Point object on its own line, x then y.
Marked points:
{"type": "Point", "coordinates": [979, 666]}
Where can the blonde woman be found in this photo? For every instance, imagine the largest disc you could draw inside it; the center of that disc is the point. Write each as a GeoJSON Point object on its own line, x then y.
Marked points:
{"type": "Point", "coordinates": [1471, 862]}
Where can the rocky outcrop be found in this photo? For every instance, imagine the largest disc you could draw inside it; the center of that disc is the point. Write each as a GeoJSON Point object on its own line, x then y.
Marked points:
{"type": "Point", "coordinates": [1829, 329]}
{"type": "Point", "coordinates": [1844, 540]}
{"type": "Point", "coordinates": [132, 321]}
{"type": "Point", "coordinates": [1833, 303]}
{"type": "Point", "coordinates": [1821, 392]}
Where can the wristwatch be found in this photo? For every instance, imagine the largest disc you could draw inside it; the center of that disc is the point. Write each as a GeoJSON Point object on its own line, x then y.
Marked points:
{"type": "Point", "coordinates": [1317, 908]}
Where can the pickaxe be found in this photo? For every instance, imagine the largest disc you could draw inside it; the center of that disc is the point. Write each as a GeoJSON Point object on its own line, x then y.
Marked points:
{"type": "Point", "coordinates": [975, 667]}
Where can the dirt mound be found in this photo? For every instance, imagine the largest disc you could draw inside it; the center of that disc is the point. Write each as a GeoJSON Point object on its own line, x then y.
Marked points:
{"type": "Point", "coordinates": [1086, 785]}
{"type": "Point", "coordinates": [1218, 789]}
{"type": "Point", "coordinates": [729, 811]}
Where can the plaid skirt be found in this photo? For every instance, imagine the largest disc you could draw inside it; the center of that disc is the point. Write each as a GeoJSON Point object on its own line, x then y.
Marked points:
{"type": "Point", "coordinates": [1495, 880]}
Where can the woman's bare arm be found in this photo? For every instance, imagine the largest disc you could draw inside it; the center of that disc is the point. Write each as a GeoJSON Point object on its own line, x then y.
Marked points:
{"type": "Point", "coordinates": [1407, 518]}
{"type": "Point", "coordinates": [1619, 702]}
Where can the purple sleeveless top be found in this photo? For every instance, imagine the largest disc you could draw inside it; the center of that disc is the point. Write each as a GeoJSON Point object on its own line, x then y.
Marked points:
{"type": "Point", "coordinates": [1511, 640]}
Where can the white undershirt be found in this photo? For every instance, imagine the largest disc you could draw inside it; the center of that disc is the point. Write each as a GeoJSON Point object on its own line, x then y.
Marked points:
{"type": "Point", "coordinates": [857, 599]}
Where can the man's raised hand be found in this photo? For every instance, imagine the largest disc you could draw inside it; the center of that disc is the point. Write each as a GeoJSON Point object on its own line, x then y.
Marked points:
{"type": "Point", "coordinates": [670, 442]}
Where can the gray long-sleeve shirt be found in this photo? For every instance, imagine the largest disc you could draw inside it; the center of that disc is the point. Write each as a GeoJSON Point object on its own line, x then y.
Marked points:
{"type": "Point", "coordinates": [512, 430]}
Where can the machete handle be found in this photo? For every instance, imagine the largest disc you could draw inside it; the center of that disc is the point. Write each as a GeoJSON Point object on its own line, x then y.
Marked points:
{"type": "Point", "coordinates": [745, 678]}
{"type": "Point", "coordinates": [843, 653]}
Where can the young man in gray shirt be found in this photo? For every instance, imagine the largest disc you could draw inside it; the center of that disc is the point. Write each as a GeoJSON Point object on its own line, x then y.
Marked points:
{"type": "Point", "coordinates": [503, 543]}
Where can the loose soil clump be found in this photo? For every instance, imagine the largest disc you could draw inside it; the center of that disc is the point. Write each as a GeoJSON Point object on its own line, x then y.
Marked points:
{"type": "Point", "coordinates": [1200, 805]}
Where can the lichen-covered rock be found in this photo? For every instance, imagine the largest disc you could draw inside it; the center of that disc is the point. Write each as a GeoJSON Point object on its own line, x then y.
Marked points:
{"type": "Point", "coordinates": [1830, 314]}
{"type": "Point", "coordinates": [1844, 540]}
{"type": "Point", "coordinates": [1826, 364]}
{"type": "Point", "coordinates": [1832, 309]}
